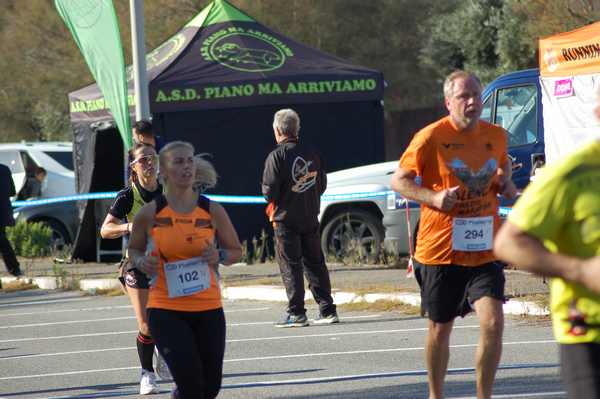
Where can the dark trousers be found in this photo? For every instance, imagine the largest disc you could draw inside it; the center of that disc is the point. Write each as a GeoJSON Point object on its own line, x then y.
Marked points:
{"type": "Point", "coordinates": [299, 252]}
{"type": "Point", "coordinates": [193, 345]}
{"type": "Point", "coordinates": [8, 254]}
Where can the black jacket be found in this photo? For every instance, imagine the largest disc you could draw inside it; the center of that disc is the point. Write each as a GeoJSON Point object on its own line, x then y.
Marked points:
{"type": "Point", "coordinates": [294, 179]}
{"type": "Point", "coordinates": [7, 190]}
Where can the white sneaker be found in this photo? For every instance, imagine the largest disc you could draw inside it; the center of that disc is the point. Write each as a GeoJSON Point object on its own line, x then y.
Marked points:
{"type": "Point", "coordinates": [148, 383]}
{"type": "Point", "coordinates": [161, 367]}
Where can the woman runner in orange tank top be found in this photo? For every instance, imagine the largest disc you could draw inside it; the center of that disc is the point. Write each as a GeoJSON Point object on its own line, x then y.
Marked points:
{"type": "Point", "coordinates": [185, 313]}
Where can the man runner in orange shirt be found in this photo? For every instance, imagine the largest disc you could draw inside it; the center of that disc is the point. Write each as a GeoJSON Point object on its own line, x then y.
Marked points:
{"type": "Point", "coordinates": [462, 165]}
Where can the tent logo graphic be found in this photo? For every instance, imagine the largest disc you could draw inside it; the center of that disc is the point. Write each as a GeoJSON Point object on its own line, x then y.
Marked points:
{"type": "Point", "coordinates": [87, 12]}
{"type": "Point", "coordinates": [161, 54]}
{"type": "Point", "coordinates": [246, 50]}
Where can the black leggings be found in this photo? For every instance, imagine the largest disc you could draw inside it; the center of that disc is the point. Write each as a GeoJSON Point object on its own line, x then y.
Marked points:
{"type": "Point", "coordinates": [193, 345]}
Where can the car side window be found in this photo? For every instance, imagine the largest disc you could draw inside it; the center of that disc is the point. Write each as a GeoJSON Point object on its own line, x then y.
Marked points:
{"type": "Point", "coordinates": [516, 112]}
{"type": "Point", "coordinates": [486, 112]}
{"type": "Point", "coordinates": [12, 159]}
{"type": "Point", "coordinates": [30, 165]}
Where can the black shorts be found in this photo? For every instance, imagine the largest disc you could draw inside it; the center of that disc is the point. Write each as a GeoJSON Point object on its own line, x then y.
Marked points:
{"type": "Point", "coordinates": [132, 278]}
{"type": "Point", "coordinates": [448, 291]}
{"type": "Point", "coordinates": [580, 369]}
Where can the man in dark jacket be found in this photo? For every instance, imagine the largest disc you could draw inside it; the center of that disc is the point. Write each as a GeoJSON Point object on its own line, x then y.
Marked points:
{"type": "Point", "coordinates": [293, 181]}
{"type": "Point", "coordinates": [7, 190]}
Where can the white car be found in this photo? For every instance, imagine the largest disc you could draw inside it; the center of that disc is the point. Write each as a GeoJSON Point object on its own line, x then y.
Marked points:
{"type": "Point", "coordinates": [56, 157]}
{"type": "Point", "coordinates": [351, 224]}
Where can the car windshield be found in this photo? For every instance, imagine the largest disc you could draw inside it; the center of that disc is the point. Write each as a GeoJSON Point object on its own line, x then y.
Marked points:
{"type": "Point", "coordinates": [65, 158]}
{"type": "Point", "coordinates": [12, 159]}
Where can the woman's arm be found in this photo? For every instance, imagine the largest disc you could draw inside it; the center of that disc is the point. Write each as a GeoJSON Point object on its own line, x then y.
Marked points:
{"type": "Point", "coordinates": [229, 242]}
{"type": "Point", "coordinates": [142, 223]}
{"type": "Point", "coordinates": [113, 227]}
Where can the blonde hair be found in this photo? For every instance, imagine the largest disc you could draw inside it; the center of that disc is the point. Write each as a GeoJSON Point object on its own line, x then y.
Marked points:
{"type": "Point", "coordinates": [162, 155]}
{"type": "Point", "coordinates": [206, 175]}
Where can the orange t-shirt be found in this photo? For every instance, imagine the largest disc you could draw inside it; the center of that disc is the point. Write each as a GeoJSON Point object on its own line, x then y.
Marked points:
{"type": "Point", "coordinates": [444, 157]}
{"type": "Point", "coordinates": [178, 237]}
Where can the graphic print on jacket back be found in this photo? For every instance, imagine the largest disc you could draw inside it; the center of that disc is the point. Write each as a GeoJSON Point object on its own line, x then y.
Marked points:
{"type": "Point", "coordinates": [302, 177]}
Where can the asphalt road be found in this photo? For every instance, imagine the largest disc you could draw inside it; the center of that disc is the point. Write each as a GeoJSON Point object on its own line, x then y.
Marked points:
{"type": "Point", "coordinates": [64, 345]}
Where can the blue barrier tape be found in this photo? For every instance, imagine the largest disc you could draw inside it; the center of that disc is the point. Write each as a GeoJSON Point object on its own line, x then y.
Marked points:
{"type": "Point", "coordinates": [227, 199]}
{"type": "Point", "coordinates": [231, 199]}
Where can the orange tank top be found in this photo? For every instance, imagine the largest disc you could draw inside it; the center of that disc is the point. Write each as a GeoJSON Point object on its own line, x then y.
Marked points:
{"type": "Point", "coordinates": [179, 237]}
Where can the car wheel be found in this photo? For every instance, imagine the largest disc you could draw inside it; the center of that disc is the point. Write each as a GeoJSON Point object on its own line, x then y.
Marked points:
{"type": "Point", "coordinates": [59, 237]}
{"type": "Point", "coordinates": [356, 234]}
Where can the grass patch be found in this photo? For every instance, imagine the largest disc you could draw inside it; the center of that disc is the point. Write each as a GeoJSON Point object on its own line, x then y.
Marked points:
{"type": "Point", "coordinates": [253, 281]}
{"type": "Point", "coordinates": [375, 288]}
{"type": "Point", "coordinates": [381, 305]}
{"type": "Point", "coordinates": [104, 292]}
{"type": "Point", "coordinates": [18, 285]}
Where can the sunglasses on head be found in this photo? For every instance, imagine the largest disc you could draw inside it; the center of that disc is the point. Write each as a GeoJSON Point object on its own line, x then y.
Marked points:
{"type": "Point", "coordinates": [145, 160]}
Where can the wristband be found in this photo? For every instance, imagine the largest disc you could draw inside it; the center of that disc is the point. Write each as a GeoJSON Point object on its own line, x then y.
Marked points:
{"type": "Point", "coordinates": [222, 256]}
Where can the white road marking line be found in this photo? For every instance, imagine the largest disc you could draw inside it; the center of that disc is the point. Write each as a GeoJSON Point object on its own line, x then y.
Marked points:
{"type": "Point", "coordinates": [335, 334]}
{"type": "Point", "coordinates": [45, 302]}
{"type": "Point", "coordinates": [66, 311]}
{"type": "Point", "coordinates": [56, 323]}
{"type": "Point", "coordinates": [307, 380]}
{"type": "Point", "coordinates": [357, 352]}
{"type": "Point", "coordinates": [100, 308]}
{"type": "Point", "coordinates": [78, 372]}
{"type": "Point", "coordinates": [67, 336]}
{"type": "Point", "coordinates": [341, 333]}
{"type": "Point", "coordinates": [300, 355]}
{"type": "Point", "coordinates": [68, 353]}
{"type": "Point", "coordinates": [518, 395]}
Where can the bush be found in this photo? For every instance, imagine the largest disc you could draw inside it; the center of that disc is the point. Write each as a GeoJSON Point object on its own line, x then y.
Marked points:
{"type": "Point", "coordinates": [30, 239]}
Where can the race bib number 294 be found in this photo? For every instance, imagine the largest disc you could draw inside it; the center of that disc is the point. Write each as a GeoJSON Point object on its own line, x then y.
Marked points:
{"type": "Point", "coordinates": [473, 234]}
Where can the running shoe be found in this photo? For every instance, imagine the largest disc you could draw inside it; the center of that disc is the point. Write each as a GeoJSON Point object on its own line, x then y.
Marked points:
{"type": "Point", "coordinates": [16, 272]}
{"type": "Point", "coordinates": [161, 367]}
{"type": "Point", "coordinates": [293, 320]}
{"type": "Point", "coordinates": [148, 383]}
{"type": "Point", "coordinates": [329, 319]}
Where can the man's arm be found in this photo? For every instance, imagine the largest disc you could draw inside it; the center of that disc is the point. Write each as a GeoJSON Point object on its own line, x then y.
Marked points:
{"type": "Point", "coordinates": [506, 187]}
{"type": "Point", "coordinates": [323, 177]}
{"type": "Point", "coordinates": [271, 182]}
{"type": "Point", "coordinates": [526, 252]}
{"type": "Point", "coordinates": [11, 184]}
{"type": "Point", "coordinates": [403, 181]}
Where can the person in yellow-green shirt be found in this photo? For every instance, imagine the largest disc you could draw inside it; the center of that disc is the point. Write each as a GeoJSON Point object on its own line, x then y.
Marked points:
{"type": "Point", "coordinates": [554, 231]}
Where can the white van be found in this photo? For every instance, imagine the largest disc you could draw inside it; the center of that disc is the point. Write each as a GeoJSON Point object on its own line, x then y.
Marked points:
{"type": "Point", "coordinates": [56, 157]}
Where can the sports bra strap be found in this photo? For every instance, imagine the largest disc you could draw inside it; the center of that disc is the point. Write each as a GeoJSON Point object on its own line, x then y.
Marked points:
{"type": "Point", "coordinates": [204, 203]}
{"type": "Point", "coordinates": [161, 203]}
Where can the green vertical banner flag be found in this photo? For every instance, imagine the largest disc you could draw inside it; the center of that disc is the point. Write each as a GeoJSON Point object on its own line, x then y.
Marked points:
{"type": "Point", "coordinates": [95, 29]}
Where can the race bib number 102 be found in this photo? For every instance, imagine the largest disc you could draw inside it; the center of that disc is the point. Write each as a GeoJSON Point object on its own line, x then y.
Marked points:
{"type": "Point", "coordinates": [473, 234]}
{"type": "Point", "coordinates": [187, 277]}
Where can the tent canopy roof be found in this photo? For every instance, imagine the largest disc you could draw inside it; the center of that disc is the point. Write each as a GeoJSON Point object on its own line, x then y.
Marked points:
{"type": "Point", "coordinates": [223, 58]}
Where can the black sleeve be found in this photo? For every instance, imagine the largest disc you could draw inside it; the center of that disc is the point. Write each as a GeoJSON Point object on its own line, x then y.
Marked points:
{"type": "Point", "coordinates": [322, 177]}
{"type": "Point", "coordinates": [123, 204]}
{"type": "Point", "coordinates": [7, 179]}
{"type": "Point", "coordinates": [271, 184]}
